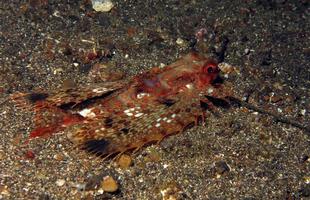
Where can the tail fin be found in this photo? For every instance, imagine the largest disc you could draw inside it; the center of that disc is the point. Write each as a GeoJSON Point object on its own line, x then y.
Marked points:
{"type": "Point", "coordinates": [48, 119]}
{"type": "Point", "coordinates": [53, 110]}
{"type": "Point", "coordinates": [27, 100]}
{"type": "Point", "coordinates": [51, 119]}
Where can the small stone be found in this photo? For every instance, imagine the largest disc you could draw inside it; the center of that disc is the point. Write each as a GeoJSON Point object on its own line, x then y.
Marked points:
{"type": "Point", "coordinates": [58, 71]}
{"type": "Point", "coordinates": [278, 86]}
{"type": "Point", "coordinates": [226, 68]}
{"type": "Point", "coordinates": [171, 191]}
{"type": "Point", "coordinates": [246, 51]}
{"type": "Point", "coordinates": [102, 5]}
{"type": "Point", "coordinates": [60, 182]}
{"type": "Point", "coordinates": [162, 65]}
{"type": "Point", "coordinates": [124, 161]}
{"type": "Point", "coordinates": [4, 190]}
{"type": "Point", "coordinates": [59, 157]}
{"type": "Point", "coordinates": [2, 155]}
{"type": "Point", "coordinates": [307, 179]}
{"type": "Point", "coordinates": [221, 168]}
{"type": "Point", "coordinates": [100, 191]}
{"type": "Point", "coordinates": [68, 84]}
{"type": "Point", "coordinates": [80, 186]}
{"type": "Point", "coordinates": [108, 184]}
{"type": "Point", "coordinates": [303, 112]}
{"type": "Point", "coordinates": [180, 42]}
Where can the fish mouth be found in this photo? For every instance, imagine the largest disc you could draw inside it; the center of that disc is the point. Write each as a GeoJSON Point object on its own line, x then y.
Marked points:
{"type": "Point", "coordinates": [218, 80]}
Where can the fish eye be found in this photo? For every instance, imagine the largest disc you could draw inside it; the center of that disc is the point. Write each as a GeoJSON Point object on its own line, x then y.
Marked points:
{"type": "Point", "coordinates": [210, 70]}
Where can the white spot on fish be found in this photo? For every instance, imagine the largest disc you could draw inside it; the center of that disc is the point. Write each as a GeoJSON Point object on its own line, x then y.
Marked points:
{"type": "Point", "coordinates": [99, 90]}
{"type": "Point", "coordinates": [129, 114]}
{"type": "Point", "coordinates": [189, 86]}
{"type": "Point", "coordinates": [87, 113]}
{"type": "Point", "coordinates": [141, 95]}
{"type": "Point", "coordinates": [210, 90]}
{"type": "Point", "coordinates": [129, 110]}
{"type": "Point", "coordinates": [157, 125]}
{"type": "Point", "coordinates": [173, 115]}
{"type": "Point", "coordinates": [138, 114]}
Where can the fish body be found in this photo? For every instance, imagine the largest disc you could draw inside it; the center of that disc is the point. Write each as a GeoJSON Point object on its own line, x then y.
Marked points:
{"type": "Point", "coordinates": [114, 117]}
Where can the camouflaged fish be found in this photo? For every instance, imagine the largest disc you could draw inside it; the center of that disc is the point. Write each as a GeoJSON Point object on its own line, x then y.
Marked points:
{"type": "Point", "coordinates": [110, 118]}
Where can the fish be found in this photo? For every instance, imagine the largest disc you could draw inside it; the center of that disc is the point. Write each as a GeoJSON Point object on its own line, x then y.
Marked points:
{"type": "Point", "coordinates": [110, 118]}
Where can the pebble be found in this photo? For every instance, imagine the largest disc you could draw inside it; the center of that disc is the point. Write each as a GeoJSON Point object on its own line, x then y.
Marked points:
{"type": "Point", "coordinates": [58, 71]}
{"type": "Point", "coordinates": [4, 190]}
{"type": "Point", "coordinates": [220, 168]}
{"type": "Point", "coordinates": [180, 42]}
{"type": "Point", "coordinates": [162, 65]}
{"type": "Point", "coordinates": [278, 86]}
{"type": "Point", "coordinates": [124, 161]}
{"type": "Point", "coordinates": [246, 51]}
{"type": "Point", "coordinates": [80, 186]}
{"type": "Point", "coordinates": [60, 182]}
{"type": "Point", "coordinates": [59, 157]}
{"type": "Point", "coordinates": [303, 112]}
{"type": "Point", "coordinates": [226, 68]}
{"type": "Point", "coordinates": [2, 155]}
{"type": "Point", "coordinates": [171, 191]}
{"type": "Point", "coordinates": [307, 179]}
{"type": "Point", "coordinates": [108, 184]}
{"type": "Point", "coordinates": [102, 5]}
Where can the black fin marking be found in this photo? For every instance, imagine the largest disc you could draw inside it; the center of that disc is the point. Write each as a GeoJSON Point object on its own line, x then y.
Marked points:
{"type": "Point", "coordinates": [34, 97]}
{"type": "Point", "coordinates": [218, 102]}
{"type": "Point", "coordinates": [108, 122]}
{"type": "Point", "coordinates": [98, 147]}
{"type": "Point", "coordinates": [84, 103]}
{"type": "Point", "coordinates": [167, 102]}
{"type": "Point", "coordinates": [204, 105]}
{"type": "Point", "coordinates": [125, 130]}
{"type": "Point", "coordinates": [189, 126]}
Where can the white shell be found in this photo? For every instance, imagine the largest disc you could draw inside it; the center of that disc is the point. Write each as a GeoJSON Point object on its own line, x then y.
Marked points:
{"type": "Point", "coordinates": [226, 68]}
